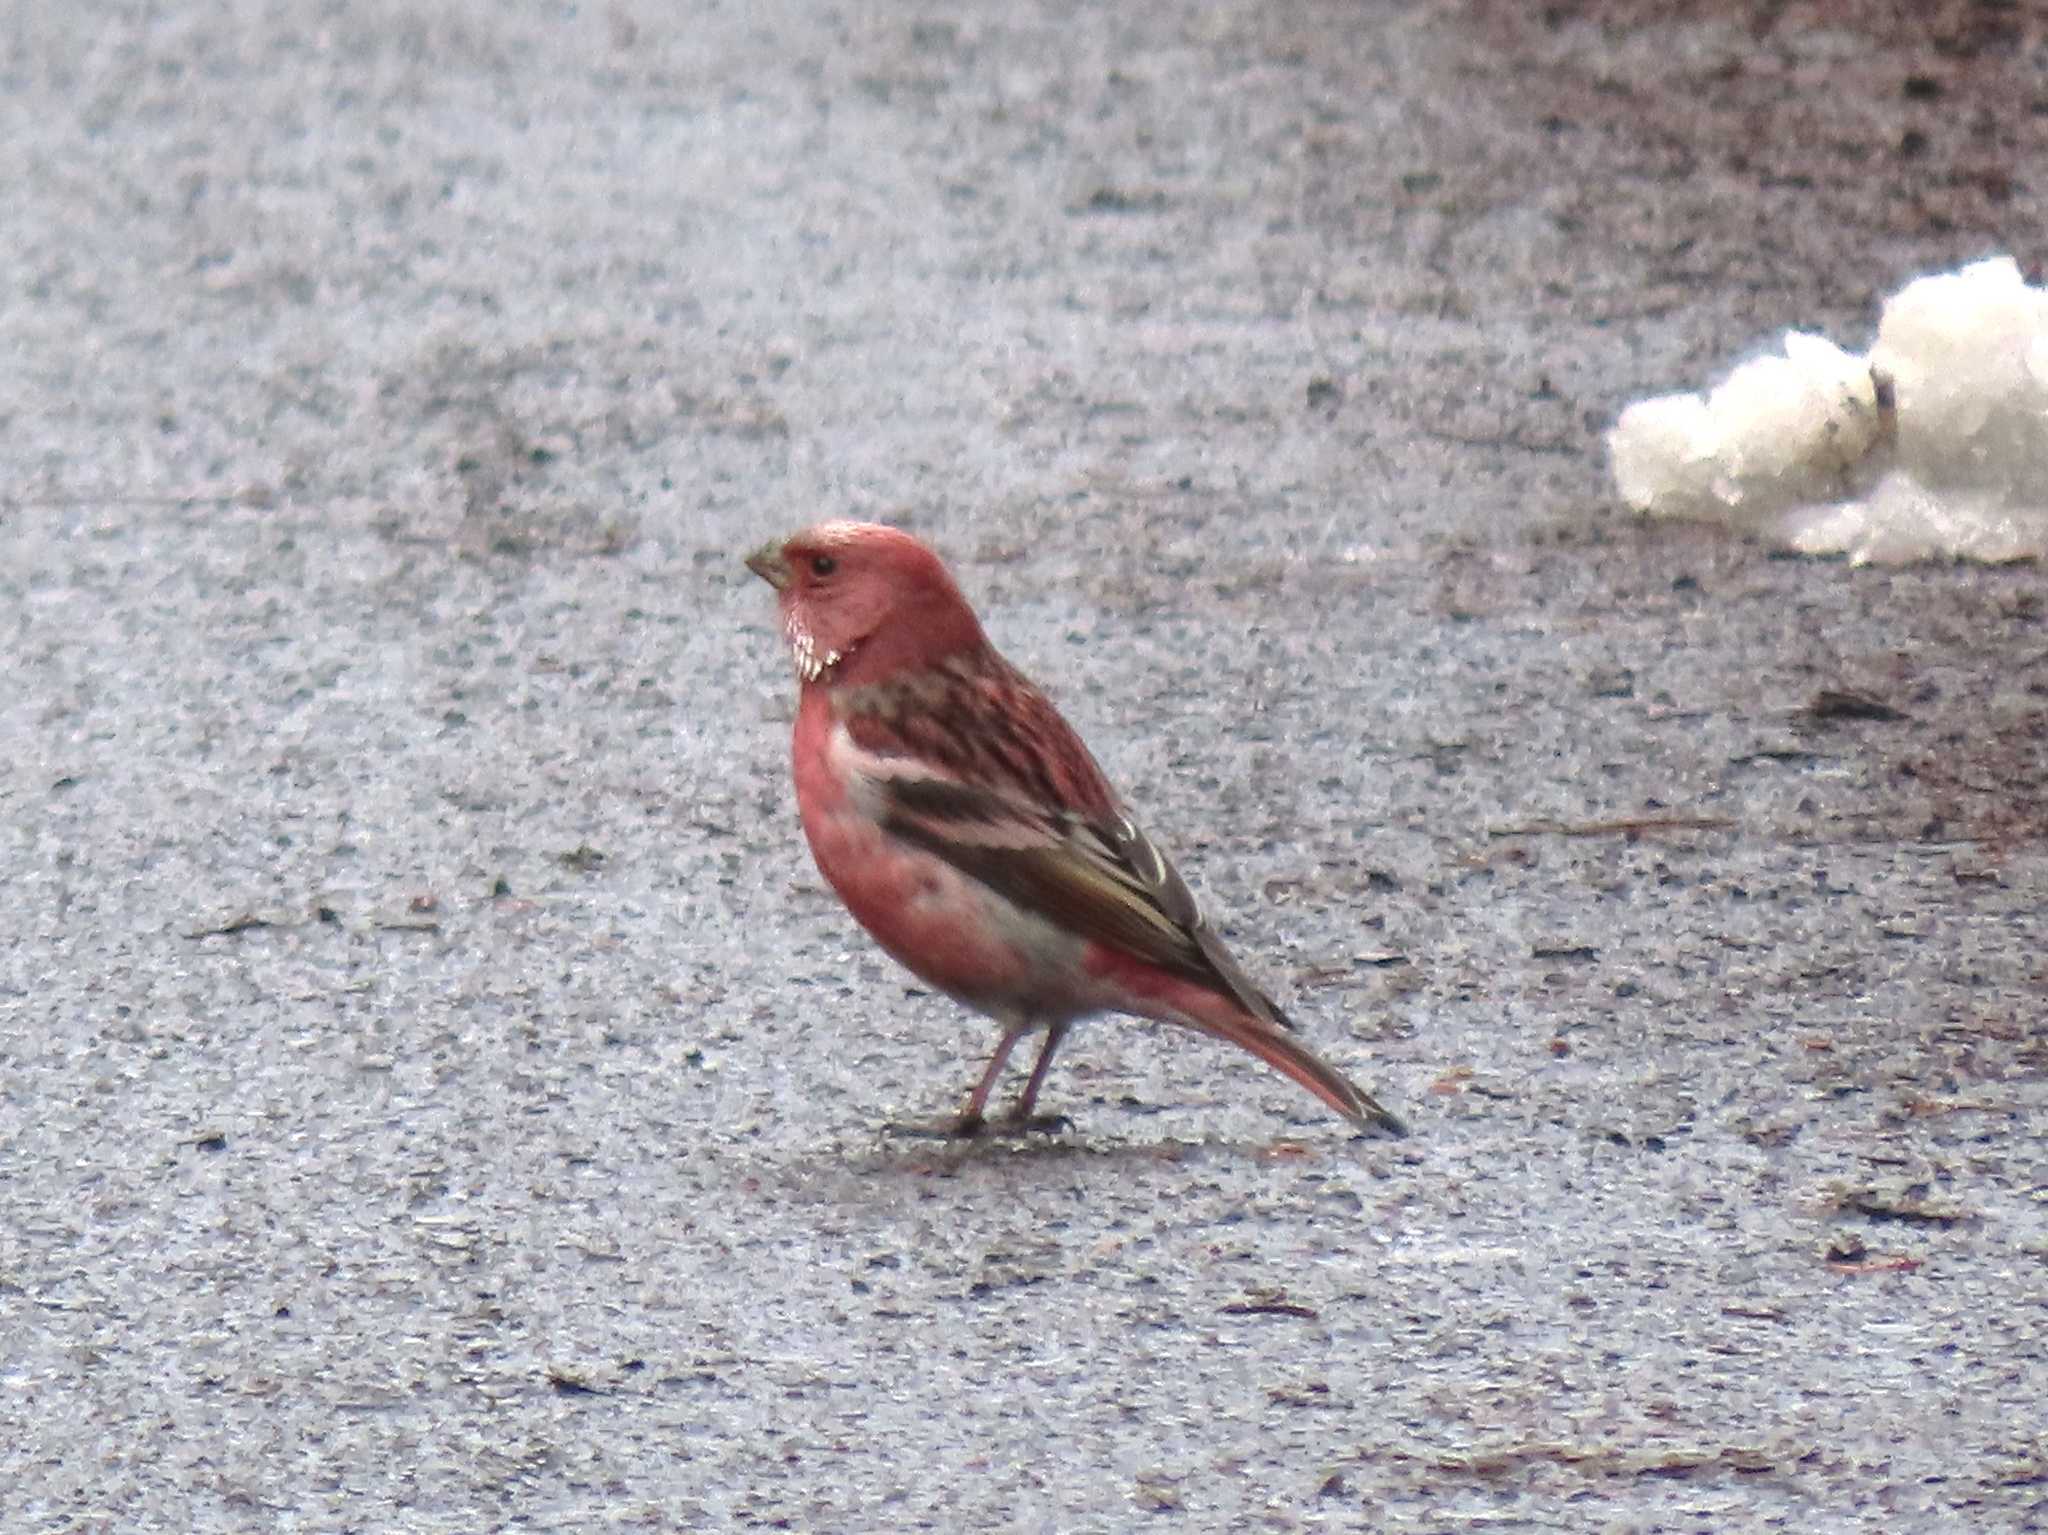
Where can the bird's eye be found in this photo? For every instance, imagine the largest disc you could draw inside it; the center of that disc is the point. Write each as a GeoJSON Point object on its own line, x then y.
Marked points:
{"type": "Point", "coordinates": [823, 564]}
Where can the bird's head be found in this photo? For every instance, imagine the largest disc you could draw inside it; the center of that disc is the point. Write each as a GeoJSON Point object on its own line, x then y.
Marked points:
{"type": "Point", "coordinates": [861, 602]}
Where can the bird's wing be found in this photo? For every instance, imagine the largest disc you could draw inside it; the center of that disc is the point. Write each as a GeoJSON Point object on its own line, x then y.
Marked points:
{"type": "Point", "coordinates": [1010, 797]}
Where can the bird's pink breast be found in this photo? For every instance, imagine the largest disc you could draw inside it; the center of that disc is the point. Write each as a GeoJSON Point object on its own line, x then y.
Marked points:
{"type": "Point", "coordinates": [948, 929]}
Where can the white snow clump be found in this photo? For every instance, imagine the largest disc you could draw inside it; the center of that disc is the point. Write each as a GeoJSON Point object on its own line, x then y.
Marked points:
{"type": "Point", "coordinates": [1936, 444]}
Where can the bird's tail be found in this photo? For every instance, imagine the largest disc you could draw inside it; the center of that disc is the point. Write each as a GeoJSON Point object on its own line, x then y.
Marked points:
{"type": "Point", "coordinates": [1291, 1058]}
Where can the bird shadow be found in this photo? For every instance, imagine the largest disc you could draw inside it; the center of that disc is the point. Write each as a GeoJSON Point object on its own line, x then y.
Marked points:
{"type": "Point", "coordinates": [889, 1156]}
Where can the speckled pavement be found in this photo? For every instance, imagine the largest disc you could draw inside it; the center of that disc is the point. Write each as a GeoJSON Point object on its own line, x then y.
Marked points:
{"type": "Point", "coordinates": [436, 1092]}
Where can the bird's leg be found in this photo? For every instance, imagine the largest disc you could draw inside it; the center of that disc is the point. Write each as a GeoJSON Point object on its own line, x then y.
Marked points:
{"type": "Point", "coordinates": [971, 1119]}
{"type": "Point", "coordinates": [1019, 1117]}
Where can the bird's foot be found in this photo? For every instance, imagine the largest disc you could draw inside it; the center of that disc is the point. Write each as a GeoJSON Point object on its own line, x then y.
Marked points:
{"type": "Point", "coordinates": [961, 1127]}
{"type": "Point", "coordinates": [966, 1127]}
{"type": "Point", "coordinates": [1032, 1124]}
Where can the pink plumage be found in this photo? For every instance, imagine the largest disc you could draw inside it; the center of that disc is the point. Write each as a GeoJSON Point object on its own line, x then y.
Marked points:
{"type": "Point", "coordinates": [970, 832]}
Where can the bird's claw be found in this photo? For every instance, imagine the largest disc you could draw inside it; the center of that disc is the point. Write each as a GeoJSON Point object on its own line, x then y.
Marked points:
{"type": "Point", "coordinates": [961, 1127]}
{"type": "Point", "coordinates": [1032, 1124]}
{"type": "Point", "coordinates": [965, 1127]}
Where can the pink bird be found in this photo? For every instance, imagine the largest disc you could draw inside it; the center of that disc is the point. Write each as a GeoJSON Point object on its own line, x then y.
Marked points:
{"type": "Point", "coordinates": [969, 831]}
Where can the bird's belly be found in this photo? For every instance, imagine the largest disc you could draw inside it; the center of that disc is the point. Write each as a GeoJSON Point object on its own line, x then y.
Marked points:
{"type": "Point", "coordinates": [949, 929]}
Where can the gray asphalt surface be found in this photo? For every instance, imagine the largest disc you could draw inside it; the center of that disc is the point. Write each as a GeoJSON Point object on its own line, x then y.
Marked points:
{"type": "Point", "coordinates": [437, 1094]}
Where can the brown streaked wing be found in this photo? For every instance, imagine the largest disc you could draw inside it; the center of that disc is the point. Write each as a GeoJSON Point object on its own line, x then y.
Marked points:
{"type": "Point", "coordinates": [1103, 881]}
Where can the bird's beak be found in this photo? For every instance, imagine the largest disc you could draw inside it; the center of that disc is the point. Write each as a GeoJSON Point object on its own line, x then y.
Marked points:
{"type": "Point", "coordinates": [767, 563]}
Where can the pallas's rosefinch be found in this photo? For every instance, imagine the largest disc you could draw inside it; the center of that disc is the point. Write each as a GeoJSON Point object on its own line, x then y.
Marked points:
{"type": "Point", "coordinates": [969, 831]}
